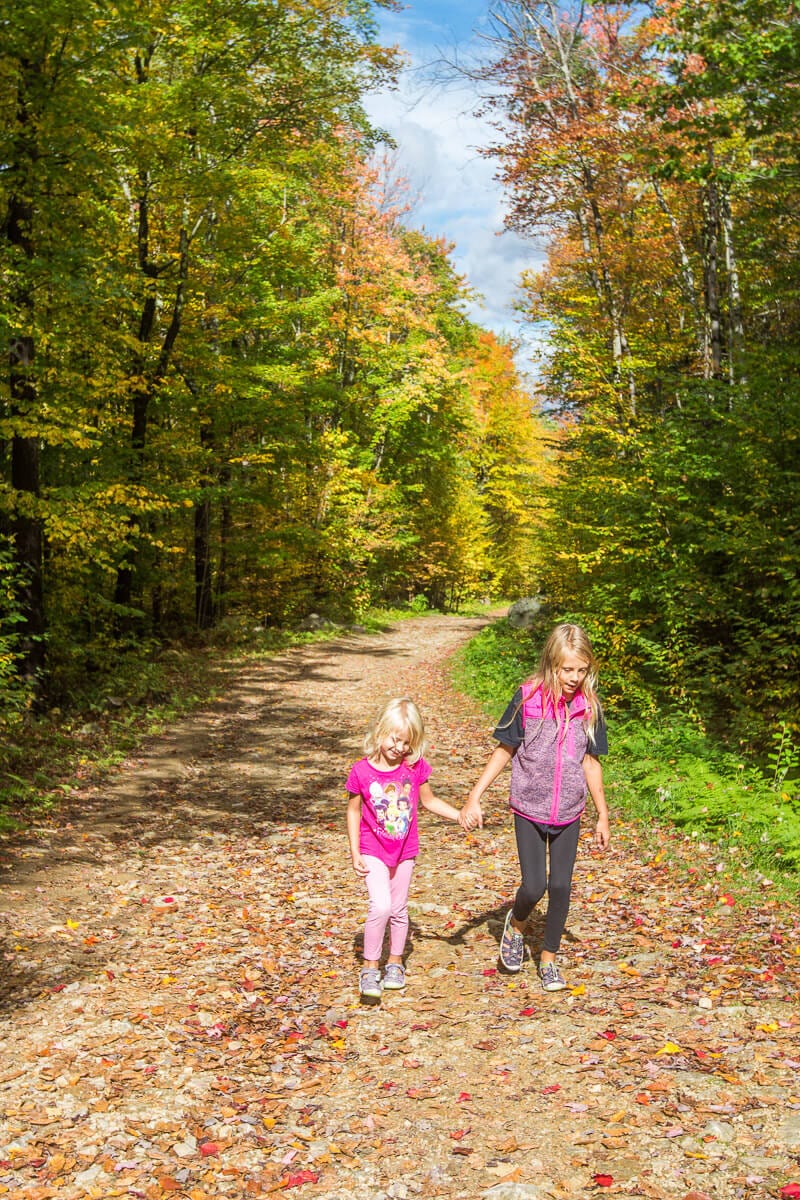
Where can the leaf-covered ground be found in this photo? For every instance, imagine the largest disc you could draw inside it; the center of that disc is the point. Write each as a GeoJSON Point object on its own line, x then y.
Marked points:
{"type": "Point", "coordinates": [179, 1013]}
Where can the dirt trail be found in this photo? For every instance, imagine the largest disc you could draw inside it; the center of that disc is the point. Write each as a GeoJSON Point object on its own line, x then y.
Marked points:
{"type": "Point", "coordinates": [179, 1014]}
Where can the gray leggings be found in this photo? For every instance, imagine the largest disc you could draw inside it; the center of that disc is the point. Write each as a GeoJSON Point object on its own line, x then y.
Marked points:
{"type": "Point", "coordinates": [533, 843]}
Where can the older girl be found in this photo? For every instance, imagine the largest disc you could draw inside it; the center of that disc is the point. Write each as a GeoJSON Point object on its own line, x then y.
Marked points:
{"type": "Point", "coordinates": [552, 733]}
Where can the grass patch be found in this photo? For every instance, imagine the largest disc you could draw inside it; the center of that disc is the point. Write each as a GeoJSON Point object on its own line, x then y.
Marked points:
{"type": "Point", "coordinates": [667, 770]}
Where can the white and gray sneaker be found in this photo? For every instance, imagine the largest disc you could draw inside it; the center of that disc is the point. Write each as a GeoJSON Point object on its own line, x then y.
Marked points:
{"type": "Point", "coordinates": [394, 977]}
{"type": "Point", "coordinates": [512, 946]}
{"type": "Point", "coordinates": [551, 977]}
{"type": "Point", "coordinates": [370, 985]}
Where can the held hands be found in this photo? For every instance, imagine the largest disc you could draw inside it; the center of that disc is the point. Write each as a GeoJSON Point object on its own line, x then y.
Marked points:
{"type": "Point", "coordinates": [471, 815]}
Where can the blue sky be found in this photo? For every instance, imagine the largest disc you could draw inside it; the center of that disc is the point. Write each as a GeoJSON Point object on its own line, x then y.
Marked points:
{"type": "Point", "coordinates": [437, 140]}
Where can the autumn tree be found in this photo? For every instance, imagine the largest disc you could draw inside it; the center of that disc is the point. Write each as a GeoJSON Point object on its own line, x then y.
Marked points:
{"type": "Point", "coordinates": [653, 150]}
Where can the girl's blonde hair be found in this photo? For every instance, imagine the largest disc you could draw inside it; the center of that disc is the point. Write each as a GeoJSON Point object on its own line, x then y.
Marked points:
{"type": "Point", "coordinates": [399, 714]}
{"type": "Point", "coordinates": [569, 638]}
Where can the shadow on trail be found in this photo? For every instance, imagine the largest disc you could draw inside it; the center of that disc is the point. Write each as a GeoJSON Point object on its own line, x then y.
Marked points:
{"type": "Point", "coordinates": [267, 761]}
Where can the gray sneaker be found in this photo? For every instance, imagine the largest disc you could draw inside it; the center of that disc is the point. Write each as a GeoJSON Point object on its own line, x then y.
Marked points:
{"type": "Point", "coordinates": [370, 985]}
{"type": "Point", "coordinates": [512, 946]}
{"type": "Point", "coordinates": [551, 977]}
{"type": "Point", "coordinates": [394, 977]}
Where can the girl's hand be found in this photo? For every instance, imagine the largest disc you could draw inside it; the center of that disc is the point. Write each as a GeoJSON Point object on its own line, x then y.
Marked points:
{"type": "Point", "coordinates": [359, 866]}
{"type": "Point", "coordinates": [471, 816]}
{"type": "Point", "coordinates": [601, 833]}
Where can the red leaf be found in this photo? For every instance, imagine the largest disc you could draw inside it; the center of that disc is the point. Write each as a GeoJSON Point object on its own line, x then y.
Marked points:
{"type": "Point", "coordinates": [553, 1087]}
{"type": "Point", "coordinates": [490, 971]}
{"type": "Point", "coordinates": [209, 1149]}
{"type": "Point", "coordinates": [789, 1191]}
{"type": "Point", "coordinates": [111, 975]}
{"type": "Point", "coordinates": [458, 1134]}
{"type": "Point", "coordinates": [527, 1012]}
{"type": "Point", "coordinates": [603, 1180]}
{"type": "Point", "coordinates": [340, 1024]}
{"type": "Point", "coordinates": [59, 987]}
{"type": "Point", "coordinates": [608, 1034]}
{"type": "Point", "coordinates": [464, 1096]}
{"type": "Point", "coordinates": [727, 898]}
{"type": "Point", "coordinates": [298, 1178]}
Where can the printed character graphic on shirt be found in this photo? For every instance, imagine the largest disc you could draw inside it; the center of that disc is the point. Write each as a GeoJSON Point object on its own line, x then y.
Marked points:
{"type": "Point", "coordinates": [392, 811]}
{"type": "Point", "coordinates": [392, 807]}
{"type": "Point", "coordinates": [379, 803]}
{"type": "Point", "coordinates": [403, 815]}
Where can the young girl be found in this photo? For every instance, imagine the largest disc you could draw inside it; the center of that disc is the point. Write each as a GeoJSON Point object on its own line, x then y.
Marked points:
{"type": "Point", "coordinates": [552, 733]}
{"type": "Point", "coordinates": [385, 789]}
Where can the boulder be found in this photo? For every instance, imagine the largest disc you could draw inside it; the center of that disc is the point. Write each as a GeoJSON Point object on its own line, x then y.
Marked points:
{"type": "Point", "coordinates": [523, 613]}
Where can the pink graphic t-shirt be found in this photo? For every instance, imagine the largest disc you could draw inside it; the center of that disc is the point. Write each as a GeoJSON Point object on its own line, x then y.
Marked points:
{"type": "Point", "coordinates": [389, 805]}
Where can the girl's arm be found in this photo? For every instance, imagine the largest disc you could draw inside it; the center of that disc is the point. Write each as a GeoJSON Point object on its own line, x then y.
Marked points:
{"type": "Point", "coordinates": [353, 830]}
{"type": "Point", "coordinates": [472, 813]}
{"type": "Point", "coordinates": [435, 805]}
{"type": "Point", "coordinates": [594, 778]}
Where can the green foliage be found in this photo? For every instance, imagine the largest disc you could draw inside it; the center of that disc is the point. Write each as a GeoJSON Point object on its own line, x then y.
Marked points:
{"type": "Point", "coordinates": [492, 665]}
{"type": "Point", "coordinates": [253, 390]}
{"type": "Point", "coordinates": [15, 695]}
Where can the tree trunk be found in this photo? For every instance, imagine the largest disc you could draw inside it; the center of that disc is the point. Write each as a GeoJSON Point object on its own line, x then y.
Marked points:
{"type": "Point", "coordinates": [23, 398]}
{"type": "Point", "coordinates": [713, 364]}
{"type": "Point", "coordinates": [736, 319]}
{"type": "Point", "coordinates": [27, 527]}
{"type": "Point", "coordinates": [688, 286]}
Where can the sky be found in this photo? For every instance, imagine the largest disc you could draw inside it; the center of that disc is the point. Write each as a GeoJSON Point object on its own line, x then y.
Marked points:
{"type": "Point", "coordinates": [453, 186]}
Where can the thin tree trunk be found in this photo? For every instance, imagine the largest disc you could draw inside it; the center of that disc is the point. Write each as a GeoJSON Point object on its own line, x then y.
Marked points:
{"type": "Point", "coordinates": [203, 589]}
{"type": "Point", "coordinates": [23, 400]}
{"type": "Point", "coordinates": [688, 286]}
{"type": "Point", "coordinates": [711, 268]}
{"type": "Point", "coordinates": [736, 319]}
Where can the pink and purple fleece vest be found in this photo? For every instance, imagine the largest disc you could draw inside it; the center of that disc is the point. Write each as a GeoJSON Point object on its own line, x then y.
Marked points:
{"type": "Point", "coordinates": [547, 780]}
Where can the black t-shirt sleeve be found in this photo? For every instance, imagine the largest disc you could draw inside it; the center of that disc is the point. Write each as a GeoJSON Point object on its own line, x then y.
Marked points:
{"type": "Point", "coordinates": [598, 744]}
{"type": "Point", "coordinates": [509, 730]}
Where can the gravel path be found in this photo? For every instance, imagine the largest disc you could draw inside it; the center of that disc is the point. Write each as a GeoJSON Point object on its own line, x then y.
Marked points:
{"type": "Point", "coordinates": [179, 955]}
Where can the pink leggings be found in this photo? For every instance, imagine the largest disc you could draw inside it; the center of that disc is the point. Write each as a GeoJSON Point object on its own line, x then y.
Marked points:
{"type": "Point", "coordinates": [388, 904]}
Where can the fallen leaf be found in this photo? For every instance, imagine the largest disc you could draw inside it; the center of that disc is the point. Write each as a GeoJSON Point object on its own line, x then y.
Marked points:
{"type": "Point", "coordinates": [298, 1178]}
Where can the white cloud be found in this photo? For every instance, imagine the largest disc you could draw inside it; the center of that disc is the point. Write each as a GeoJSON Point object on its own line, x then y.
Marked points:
{"type": "Point", "coordinates": [439, 142]}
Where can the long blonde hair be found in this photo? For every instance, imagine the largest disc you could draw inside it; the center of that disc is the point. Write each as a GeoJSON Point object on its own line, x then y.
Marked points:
{"type": "Point", "coordinates": [564, 638]}
{"type": "Point", "coordinates": [399, 714]}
